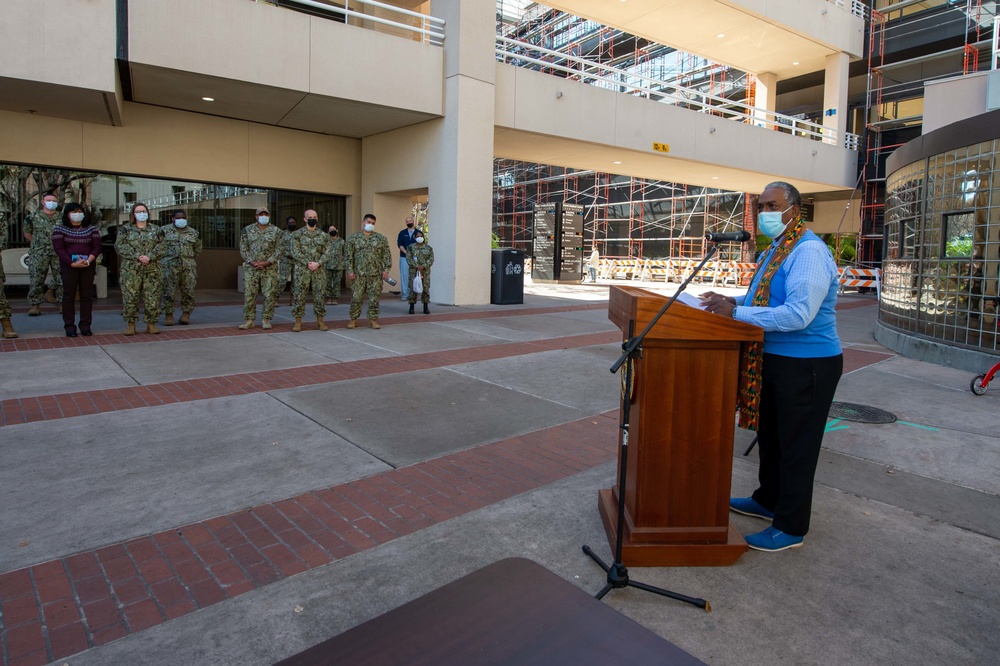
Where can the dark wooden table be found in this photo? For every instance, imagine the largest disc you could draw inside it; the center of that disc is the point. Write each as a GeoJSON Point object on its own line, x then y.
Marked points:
{"type": "Point", "coordinates": [512, 612]}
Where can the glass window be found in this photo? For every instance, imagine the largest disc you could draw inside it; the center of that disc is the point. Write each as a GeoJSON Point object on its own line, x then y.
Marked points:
{"type": "Point", "coordinates": [957, 234]}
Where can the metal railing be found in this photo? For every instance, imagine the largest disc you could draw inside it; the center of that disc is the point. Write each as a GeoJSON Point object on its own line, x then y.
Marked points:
{"type": "Point", "coordinates": [193, 196]}
{"type": "Point", "coordinates": [857, 7]}
{"type": "Point", "coordinates": [520, 54]}
{"type": "Point", "coordinates": [429, 29]}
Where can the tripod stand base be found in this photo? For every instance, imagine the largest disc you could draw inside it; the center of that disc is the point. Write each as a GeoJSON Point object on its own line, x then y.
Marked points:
{"type": "Point", "coordinates": [667, 554]}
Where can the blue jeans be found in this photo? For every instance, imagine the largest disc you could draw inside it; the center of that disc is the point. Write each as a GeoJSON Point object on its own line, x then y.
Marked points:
{"type": "Point", "coordinates": [404, 271]}
{"type": "Point", "coordinates": [593, 273]}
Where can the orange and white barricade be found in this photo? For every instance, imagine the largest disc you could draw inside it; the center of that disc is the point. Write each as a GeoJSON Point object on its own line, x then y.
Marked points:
{"type": "Point", "coordinates": [654, 270]}
{"type": "Point", "coordinates": [617, 269]}
{"type": "Point", "coordinates": [861, 277]}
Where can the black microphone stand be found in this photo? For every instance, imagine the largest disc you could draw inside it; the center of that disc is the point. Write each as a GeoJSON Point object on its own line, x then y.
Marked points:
{"type": "Point", "coordinates": [631, 350]}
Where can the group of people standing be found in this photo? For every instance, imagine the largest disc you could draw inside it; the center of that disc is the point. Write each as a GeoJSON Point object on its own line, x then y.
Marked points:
{"type": "Point", "coordinates": [157, 261]}
{"type": "Point", "coordinates": [316, 262]}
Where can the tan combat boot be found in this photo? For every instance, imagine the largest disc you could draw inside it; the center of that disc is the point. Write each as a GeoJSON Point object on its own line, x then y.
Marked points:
{"type": "Point", "coordinates": [168, 319]}
{"type": "Point", "coordinates": [297, 327]}
{"type": "Point", "coordinates": [248, 324]}
{"type": "Point", "coordinates": [130, 328]}
{"type": "Point", "coordinates": [353, 323]}
{"type": "Point", "coordinates": [265, 324]}
{"type": "Point", "coordinates": [321, 325]}
{"type": "Point", "coordinates": [35, 310]}
{"type": "Point", "coordinates": [50, 296]}
{"type": "Point", "coordinates": [374, 323]}
{"type": "Point", "coordinates": [8, 329]}
{"type": "Point", "coordinates": [185, 319]}
{"type": "Point", "coordinates": [151, 328]}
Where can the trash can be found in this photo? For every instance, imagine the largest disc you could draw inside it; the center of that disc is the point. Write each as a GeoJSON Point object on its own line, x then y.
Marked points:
{"type": "Point", "coordinates": [507, 281]}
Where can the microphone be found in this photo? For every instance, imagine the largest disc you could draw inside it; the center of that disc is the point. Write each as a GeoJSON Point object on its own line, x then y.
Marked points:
{"type": "Point", "coordinates": [728, 237]}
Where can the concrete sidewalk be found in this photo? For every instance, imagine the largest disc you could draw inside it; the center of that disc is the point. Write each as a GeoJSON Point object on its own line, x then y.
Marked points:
{"type": "Point", "coordinates": [216, 496]}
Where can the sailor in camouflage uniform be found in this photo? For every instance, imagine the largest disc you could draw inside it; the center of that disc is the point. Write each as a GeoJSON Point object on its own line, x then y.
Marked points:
{"type": "Point", "coordinates": [8, 328]}
{"type": "Point", "coordinates": [182, 245]}
{"type": "Point", "coordinates": [419, 258]}
{"type": "Point", "coordinates": [261, 246]}
{"type": "Point", "coordinates": [140, 246]}
{"type": "Point", "coordinates": [335, 267]}
{"type": "Point", "coordinates": [311, 252]}
{"type": "Point", "coordinates": [367, 261]}
{"type": "Point", "coordinates": [42, 259]}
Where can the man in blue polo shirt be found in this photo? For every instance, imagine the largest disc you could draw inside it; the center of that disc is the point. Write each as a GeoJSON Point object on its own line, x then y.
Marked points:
{"type": "Point", "coordinates": [404, 240]}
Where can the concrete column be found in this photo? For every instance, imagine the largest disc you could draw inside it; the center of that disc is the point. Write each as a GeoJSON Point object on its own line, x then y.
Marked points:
{"type": "Point", "coordinates": [835, 97]}
{"type": "Point", "coordinates": [450, 159]}
{"type": "Point", "coordinates": [765, 98]}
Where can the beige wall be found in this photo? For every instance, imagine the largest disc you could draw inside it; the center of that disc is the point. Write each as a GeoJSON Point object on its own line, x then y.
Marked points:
{"type": "Point", "coordinates": [265, 45]}
{"type": "Point", "coordinates": [577, 125]}
{"type": "Point", "coordinates": [165, 143]}
{"type": "Point", "coordinates": [950, 100]}
{"type": "Point", "coordinates": [64, 42]}
{"type": "Point", "coordinates": [451, 158]}
{"type": "Point", "coordinates": [819, 20]}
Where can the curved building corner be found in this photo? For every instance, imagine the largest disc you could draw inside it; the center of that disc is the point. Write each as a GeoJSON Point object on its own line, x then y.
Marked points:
{"type": "Point", "coordinates": [941, 271]}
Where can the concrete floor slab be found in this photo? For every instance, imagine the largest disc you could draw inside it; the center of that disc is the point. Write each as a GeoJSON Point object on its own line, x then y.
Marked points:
{"type": "Point", "coordinates": [490, 328]}
{"type": "Point", "coordinates": [434, 412]}
{"type": "Point", "coordinates": [944, 400]}
{"type": "Point", "coordinates": [553, 325]}
{"type": "Point", "coordinates": [110, 477]}
{"type": "Point", "coordinates": [337, 344]}
{"type": "Point", "coordinates": [577, 378]}
{"type": "Point", "coordinates": [35, 373]}
{"type": "Point", "coordinates": [416, 336]}
{"type": "Point", "coordinates": [173, 360]}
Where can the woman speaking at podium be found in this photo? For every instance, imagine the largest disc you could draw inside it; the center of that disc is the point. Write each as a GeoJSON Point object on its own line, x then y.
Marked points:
{"type": "Point", "coordinates": [787, 383]}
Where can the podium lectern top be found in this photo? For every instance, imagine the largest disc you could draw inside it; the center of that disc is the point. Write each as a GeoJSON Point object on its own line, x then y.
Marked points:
{"type": "Point", "coordinates": [679, 322]}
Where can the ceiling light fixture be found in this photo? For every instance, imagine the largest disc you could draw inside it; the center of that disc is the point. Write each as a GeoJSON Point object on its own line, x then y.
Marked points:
{"type": "Point", "coordinates": [796, 62]}
{"type": "Point", "coordinates": [617, 162]}
{"type": "Point", "coordinates": [208, 99]}
{"type": "Point", "coordinates": [721, 35]}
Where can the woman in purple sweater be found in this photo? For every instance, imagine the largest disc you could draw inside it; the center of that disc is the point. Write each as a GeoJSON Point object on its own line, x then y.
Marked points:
{"type": "Point", "coordinates": [77, 242]}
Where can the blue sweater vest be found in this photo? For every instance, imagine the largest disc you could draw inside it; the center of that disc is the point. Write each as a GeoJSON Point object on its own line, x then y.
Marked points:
{"type": "Point", "coordinates": [817, 340]}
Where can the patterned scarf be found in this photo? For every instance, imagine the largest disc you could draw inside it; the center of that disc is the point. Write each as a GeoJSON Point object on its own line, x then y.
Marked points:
{"type": "Point", "coordinates": [753, 352]}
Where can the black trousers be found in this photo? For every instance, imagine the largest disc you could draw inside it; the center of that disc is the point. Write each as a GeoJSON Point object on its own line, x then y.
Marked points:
{"type": "Point", "coordinates": [81, 279]}
{"type": "Point", "coordinates": [796, 394]}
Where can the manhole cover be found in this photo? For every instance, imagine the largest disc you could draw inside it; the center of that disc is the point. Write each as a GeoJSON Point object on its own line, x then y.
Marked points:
{"type": "Point", "coordinates": [849, 411]}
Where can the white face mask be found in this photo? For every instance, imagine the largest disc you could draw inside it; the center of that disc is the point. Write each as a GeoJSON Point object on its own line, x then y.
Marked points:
{"type": "Point", "coordinates": [181, 223]}
{"type": "Point", "coordinates": [420, 240]}
{"type": "Point", "coordinates": [76, 217]}
{"type": "Point", "coordinates": [51, 205]}
{"type": "Point", "coordinates": [142, 217]}
{"type": "Point", "coordinates": [263, 219]}
{"type": "Point", "coordinates": [369, 227]}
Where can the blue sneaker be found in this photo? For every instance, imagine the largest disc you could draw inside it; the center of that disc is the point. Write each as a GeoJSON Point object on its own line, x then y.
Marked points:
{"type": "Point", "coordinates": [748, 507]}
{"type": "Point", "coordinates": [772, 540]}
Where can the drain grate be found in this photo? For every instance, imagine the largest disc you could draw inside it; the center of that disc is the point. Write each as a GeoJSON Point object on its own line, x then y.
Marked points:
{"type": "Point", "coordinates": [849, 411]}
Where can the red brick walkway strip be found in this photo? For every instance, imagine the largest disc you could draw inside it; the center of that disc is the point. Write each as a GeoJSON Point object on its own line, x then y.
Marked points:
{"type": "Point", "coordinates": [59, 341]}
{"type": "Point", "coordinates": [58, 608]}
{"type": "Point", "coordinates": [14, 411]}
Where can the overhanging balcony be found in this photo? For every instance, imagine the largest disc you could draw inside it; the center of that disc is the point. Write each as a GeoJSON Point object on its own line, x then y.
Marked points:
{"type": "Point", "coordinates": [269, 64]}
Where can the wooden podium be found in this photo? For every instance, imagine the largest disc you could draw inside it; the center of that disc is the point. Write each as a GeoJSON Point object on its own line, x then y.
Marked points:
{"type": "Point", "coordinates": [681, 425]}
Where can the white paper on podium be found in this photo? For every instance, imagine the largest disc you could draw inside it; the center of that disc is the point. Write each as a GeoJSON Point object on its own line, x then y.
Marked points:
{"type": "Point", "coordinates": [691, 300]}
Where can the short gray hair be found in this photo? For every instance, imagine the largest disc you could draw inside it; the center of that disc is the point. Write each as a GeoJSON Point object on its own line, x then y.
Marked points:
{"type": "Point", "coordinates": [792, 195]}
